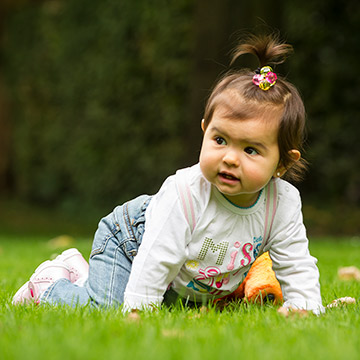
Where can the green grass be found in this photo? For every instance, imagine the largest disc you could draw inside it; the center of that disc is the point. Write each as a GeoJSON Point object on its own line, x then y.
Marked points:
{"type": "Point", "coordinates": [242, 331]}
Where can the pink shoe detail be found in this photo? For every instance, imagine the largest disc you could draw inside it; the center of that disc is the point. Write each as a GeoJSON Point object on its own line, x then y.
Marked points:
{"type": "Point", "coordinates": [78, 266]}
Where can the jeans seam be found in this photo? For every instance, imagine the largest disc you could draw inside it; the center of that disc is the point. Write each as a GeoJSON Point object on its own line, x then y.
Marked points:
{"type": "Point", "coordinates": [111, 285]}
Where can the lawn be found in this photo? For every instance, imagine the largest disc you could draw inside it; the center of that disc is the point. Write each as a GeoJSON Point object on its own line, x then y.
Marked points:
{"type": "Point", "coordinates": [241, 331]}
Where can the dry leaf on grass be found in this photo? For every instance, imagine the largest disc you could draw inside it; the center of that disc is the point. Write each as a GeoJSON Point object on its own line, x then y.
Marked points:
{"type": "Point", "coordinates": [61, 241]}
{"type": "Point", "coordinates": [349, 273]}
{"type": "Point", "coordinates": [172, 333]}
{"type": "Point", "coordinates": [342, 301]}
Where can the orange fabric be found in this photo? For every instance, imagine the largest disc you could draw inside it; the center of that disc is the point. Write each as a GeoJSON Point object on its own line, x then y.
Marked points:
{"type": "Point", "coordinates": [259, 283]}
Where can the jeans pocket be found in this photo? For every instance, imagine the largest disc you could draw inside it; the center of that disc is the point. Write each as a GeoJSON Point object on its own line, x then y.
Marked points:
{"type": "Point", "coordinates": [106, 230]}
{"type": "Point", "coordinates": [126, 225]}
{"type": "Point", "coordinates": [99, 246]}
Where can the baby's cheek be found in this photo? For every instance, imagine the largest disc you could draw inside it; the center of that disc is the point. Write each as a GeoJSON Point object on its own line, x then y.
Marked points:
{"type": "Point", "coordinates": [258, 177]}
{"type": "Point", "coordinates": [206, 163]}
{"type": "Point", "coordinates": [206, 169]}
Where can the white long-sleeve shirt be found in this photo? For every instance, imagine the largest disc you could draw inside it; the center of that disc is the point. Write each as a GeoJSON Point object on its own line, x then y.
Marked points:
{"type": "Point", "coordinates": [209, 257]}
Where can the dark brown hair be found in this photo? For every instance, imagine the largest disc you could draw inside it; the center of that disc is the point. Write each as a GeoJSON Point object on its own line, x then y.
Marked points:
{"type": "Point", "coordinates": [250, 99]}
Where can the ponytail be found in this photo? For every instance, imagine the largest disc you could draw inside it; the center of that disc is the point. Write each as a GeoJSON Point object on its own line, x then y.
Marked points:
{"type": "Point", "coordinates": [268, 49]}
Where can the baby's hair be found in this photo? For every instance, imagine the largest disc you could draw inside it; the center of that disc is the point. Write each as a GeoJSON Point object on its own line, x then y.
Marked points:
{"type": "Point", "coordinates": [236, 92]}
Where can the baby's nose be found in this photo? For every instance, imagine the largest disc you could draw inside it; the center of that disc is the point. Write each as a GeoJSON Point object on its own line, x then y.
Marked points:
{"type": "Point", "coordinates": [231, 158]}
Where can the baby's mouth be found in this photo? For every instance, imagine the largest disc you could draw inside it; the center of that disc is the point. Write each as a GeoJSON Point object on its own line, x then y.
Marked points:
{"type": "Point", "coordinates": [228, 176]}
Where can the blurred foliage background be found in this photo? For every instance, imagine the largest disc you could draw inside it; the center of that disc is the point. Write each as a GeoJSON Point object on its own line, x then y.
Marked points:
{"type": "Point", "coordinates": [101, 100]}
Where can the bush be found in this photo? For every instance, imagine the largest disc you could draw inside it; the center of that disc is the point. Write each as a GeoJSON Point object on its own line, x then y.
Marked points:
{"type": "Point", "coordinates": [99, 89]}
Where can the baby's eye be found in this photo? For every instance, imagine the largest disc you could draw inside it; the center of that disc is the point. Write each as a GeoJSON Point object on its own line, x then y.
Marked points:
{"type": "Point", "coordinates": [251, 151]}
{"type": "Point", "coordinates": [220, 141]}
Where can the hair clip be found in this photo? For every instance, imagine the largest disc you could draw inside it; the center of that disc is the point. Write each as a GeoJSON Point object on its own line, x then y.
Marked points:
{"type": "Point", "coordinates": [265, 78]}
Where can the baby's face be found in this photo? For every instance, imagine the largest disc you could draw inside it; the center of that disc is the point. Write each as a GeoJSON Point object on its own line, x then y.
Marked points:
{"type": "Point", "coordinates": [240, 157]}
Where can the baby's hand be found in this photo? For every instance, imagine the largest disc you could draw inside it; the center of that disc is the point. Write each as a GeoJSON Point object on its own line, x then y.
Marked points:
{"type": "Point", "coordinates": [292, 312]}
{"type": "Point", "coordinates": [134, 315]}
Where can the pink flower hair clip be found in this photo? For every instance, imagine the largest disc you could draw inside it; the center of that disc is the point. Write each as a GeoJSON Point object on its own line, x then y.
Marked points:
{"type": "Point", "coordinates": [264, 78]}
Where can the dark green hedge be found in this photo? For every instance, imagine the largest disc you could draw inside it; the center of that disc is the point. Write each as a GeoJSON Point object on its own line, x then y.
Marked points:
{"type": "Point", "coordinates": [99, 89]}
{"type": "Point", "coordinates": [101, 92]}
{"type": "Point", "coordinates": [325, 36]}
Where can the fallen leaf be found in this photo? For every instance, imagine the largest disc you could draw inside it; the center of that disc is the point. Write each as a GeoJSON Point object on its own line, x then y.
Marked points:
{"type": "Point", "coordinates": [349, 273]}
{"type": "Point", "coordinates": [341, 301]}
{"type": "Point", "coordinates": [61, 241]}
{"type": "Point", "coordinates": [172, 333]}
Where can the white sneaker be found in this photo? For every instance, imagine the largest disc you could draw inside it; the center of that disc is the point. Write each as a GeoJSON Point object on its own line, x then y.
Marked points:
{"type": "Point", "coordinates": [77, 265]}
{"type": "Point", "coordinates": [44, 276]}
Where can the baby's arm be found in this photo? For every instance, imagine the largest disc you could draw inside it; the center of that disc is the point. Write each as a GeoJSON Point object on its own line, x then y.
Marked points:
{"type": "Point", "coordinates": [294, 267]}
{"type": "Point", "coordinates": [162, 251]}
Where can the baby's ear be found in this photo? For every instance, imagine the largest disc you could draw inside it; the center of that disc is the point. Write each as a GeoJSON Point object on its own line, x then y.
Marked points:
{"type": "Point", "coordinates": [281, 169]}
{"type": "Point", "coordinates": [295, 155]}
{"type": "Point", "coordinates": [203, 124]}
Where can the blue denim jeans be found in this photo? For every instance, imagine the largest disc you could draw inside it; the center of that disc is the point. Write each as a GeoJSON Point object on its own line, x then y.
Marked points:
{"type": "Point", "coordinates": [116, 242]}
